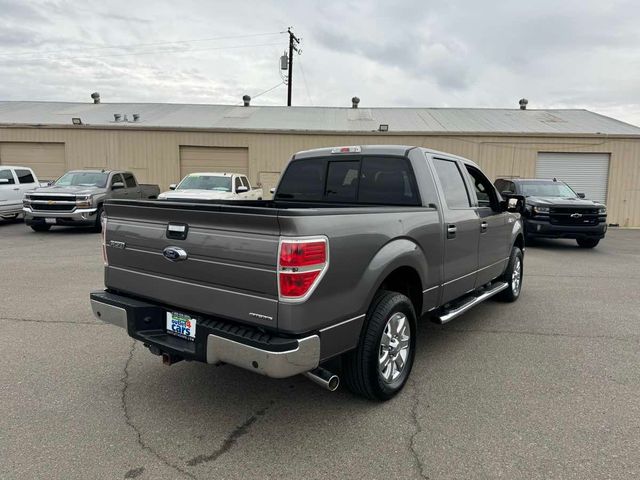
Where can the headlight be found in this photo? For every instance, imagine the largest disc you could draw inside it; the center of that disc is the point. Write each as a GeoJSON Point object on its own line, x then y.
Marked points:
{"type": "Point", "coordinates": [83, 201]}
{"type": "Point", "coordinates": [602, 211]}
{"type": "Point", "coordinates": [541, 209]}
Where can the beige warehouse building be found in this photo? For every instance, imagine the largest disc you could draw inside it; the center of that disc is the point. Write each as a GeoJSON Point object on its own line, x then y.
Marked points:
{"type": "Point", "coordinates": [595, 154]}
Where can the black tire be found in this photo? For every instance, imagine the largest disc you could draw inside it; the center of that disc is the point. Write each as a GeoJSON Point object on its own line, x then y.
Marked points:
{"type": "Point", "coordinates": [11, 218]}
{"type": "Point", "coordinates": [515, 270]}
{"type": "Point", "coordinates": [98, 225]}
{"type": "Point", "coordinates": [40, 228]}
{"type": "Point", "coordinates": [587, 242]}
{"type": "Point", "coordinates": [361, 371]}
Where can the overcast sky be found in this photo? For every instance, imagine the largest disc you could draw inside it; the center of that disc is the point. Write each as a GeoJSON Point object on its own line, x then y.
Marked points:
{"type": "Point", "coordinates": [432, 53]}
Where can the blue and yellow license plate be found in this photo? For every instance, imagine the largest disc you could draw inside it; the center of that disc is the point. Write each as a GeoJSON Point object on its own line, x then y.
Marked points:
{"type": "Point", "coordinates": [181, 325]}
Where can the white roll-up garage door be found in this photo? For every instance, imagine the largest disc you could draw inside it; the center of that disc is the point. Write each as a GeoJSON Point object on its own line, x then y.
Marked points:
{"type": "Point", "coordinates": [46, 159]}
{"type": "Point", "coordinates": [586, 173]}
{"type": "Point", "coordinates": [213, 159]}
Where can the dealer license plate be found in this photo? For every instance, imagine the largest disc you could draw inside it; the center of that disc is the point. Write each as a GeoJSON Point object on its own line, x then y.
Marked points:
{"type": "Point", "coordinates": [181, 325]}
{"type": "Point", "coordinates": [50, 221]}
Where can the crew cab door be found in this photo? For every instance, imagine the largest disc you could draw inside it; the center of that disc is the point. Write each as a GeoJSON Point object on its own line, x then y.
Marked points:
{"type": "Point", "coordinates": [10, 193]}
{"type": "Point", "coordinates": [132, 189]}
{"type": "Point", "coordinates": [494, 226]}
{"type": "Point", "coordinates": [26, 181]}
{"type": "Point", "coordinates": [461, 230]}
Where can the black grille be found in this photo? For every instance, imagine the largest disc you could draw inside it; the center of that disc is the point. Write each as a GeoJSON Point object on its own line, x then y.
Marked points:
{"type": "Point", "coordinates": [574, 216]}
{"type": "Point", "coordinates": [53, 207]}
{"type": "Point", "coordinates": [54, 198]}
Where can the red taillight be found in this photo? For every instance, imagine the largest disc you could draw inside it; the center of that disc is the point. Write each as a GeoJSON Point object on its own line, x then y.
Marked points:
{"type": "Point", "coordinates": [301, 264]}
{"type": "Point", "coordinates": [298, 254]}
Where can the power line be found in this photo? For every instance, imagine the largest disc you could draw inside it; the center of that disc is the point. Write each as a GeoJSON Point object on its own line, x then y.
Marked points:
{"type": "Point", "coordinates": [136, 45]}
{"type": "Point", "coordinates": [268, 90]}
{"type": "Point", "coordinates": [304, 78]}
{"type": "Point", "coordinates": [182, 50]}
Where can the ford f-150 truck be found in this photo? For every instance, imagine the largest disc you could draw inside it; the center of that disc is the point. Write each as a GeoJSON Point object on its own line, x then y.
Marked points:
{"type": "Point", "coordinates": [357, 244]}
{"type": "Point", "coordinates": [554, 210]}
{"type": "Point", "coordinates": [76, 199]}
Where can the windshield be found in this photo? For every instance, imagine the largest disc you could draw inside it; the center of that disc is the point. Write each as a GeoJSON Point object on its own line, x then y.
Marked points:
{"type": "Point", "coordinates": [83, 179]}
{"type": "Point", "coordinates": [547, 189]}
{"type": "Point", "coordinates": [205, 182]}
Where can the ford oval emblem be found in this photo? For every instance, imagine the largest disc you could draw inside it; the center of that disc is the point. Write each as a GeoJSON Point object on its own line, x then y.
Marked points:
{"type": "Point", "coordinates": [175, 254]}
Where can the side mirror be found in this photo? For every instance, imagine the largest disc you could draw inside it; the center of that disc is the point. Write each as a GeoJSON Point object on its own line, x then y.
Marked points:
{"type": "Point", "coordinates": [242, 189]}
{"type": "Point", "coordinates": [117, 186]}
{"type": "Point", "coordinates": [173, 186]}
{"type": "Point", "coordinates": [272, 190]}
{"type": "Point", "coordinates": [4, 181]}
{"type": "Point", "coordinates": [513, 203]}
{"type": "Point", "coordinates": [581, 195]}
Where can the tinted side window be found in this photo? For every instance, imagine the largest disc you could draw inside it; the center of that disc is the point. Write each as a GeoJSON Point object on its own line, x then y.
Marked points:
{"type": "Point", "coordinates": [511, 187]}
{"type": "Point", "coordinates": [116, 178]}
{"type": "Point", "coordinates": [237, 183]}
{"type": "Point", "coordinates": [485, 192]}
{"type": "Point", "coordinates": [455, 192]}
{"type": "Point", "coordinates": [245, 182]}
{"type": "Point", "coordinates": [500, 185]}
{"type": "Point", "coordinates": [129, 180]}
{"type": "Point", "coordinates": [342, 181]}
{"type": "Point", "coordinates": [387, 181]}
{"type": "Point", "coordinates": [25, 176]}
{"type": "Point", "coordinates": [303, 180]}
{"type": "Point", "coordinates": [7, 175]}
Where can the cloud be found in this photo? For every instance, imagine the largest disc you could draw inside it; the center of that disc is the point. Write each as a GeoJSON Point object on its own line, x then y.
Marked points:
{"type": "Point", "coordinates": [570, 54]}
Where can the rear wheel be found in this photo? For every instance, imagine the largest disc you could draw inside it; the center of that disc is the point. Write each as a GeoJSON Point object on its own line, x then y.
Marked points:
{"type": "Point", "coordinates": [380, 366]}
{"type": "Point", "coordinates": [587, 242]}
{"type": "Point", "coordinates": [512, 277]}
{"type": "Point", "coordinates": [40, 228]}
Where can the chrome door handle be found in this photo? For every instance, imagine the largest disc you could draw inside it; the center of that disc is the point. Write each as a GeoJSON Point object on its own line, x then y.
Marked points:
{"type": "Point", "coordinates": [451, 231]}
{"type": "Point", "coordinates": [484, 226]}
{"type": "Point", "coordinates": [16, 189]}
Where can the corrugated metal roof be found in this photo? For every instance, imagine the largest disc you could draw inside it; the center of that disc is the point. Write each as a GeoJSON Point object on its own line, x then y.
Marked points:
{"type": "Point", "coordinates": [317, 119]}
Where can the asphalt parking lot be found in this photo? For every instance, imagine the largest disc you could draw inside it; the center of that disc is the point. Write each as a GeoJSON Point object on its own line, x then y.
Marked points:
{"type": "Point", "coordinates": [547, 387]}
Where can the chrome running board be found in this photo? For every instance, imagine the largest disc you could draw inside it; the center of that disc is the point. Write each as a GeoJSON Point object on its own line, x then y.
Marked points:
{"type": "Point", "coordinates": [449, 315]}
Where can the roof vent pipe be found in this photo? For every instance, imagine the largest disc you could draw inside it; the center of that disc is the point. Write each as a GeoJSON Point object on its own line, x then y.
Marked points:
{"type": "Point", "coordinates": [523, 103]}
{"type": "Point", "coordinates": [354, 102]}
{"type": "Point", "coordinates": [247, 100]}
{"type": "Point", "coordinates": [96, 97]}
{"type": "Point", "coordinates": [116, 117]}
{"type": "Point", "coordinates": [136, 117]}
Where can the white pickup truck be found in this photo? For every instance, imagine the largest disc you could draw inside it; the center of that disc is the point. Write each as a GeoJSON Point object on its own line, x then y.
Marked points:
{"type": "Point", "coordinates": [14, 183]}
{"type": "Point", "coordinates": [213, 186]}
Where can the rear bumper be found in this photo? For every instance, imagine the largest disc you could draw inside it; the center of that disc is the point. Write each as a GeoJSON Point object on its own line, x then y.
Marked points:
{"type": "Point", "coordinates": [216, 340]}
{"type": "Point", "coordinates": [543, 228]}
{"type": "Point", "coordinates": [78, 217]}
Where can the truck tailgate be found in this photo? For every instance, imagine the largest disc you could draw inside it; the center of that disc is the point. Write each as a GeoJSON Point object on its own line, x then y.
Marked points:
{"type": "Point", "coordinates": [230, 269]}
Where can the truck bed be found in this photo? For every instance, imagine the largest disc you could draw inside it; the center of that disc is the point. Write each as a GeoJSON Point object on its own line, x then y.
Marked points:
{"type": "Point", "coordinates": [232, 253]}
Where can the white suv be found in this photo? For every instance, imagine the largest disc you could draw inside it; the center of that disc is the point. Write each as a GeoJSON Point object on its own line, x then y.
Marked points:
{"type": "Point", "coordinates": [14, 183]}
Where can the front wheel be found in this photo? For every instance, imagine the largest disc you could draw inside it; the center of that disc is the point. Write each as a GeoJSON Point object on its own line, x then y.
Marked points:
{"type": "Point", "coordinates": [587, 242]}
{"type": "Point", "coordinates": [512, 277]}
{"type": "Point", "coordinates": [380, 366]}
{"type": "Point", "coordinates": [97, 227]}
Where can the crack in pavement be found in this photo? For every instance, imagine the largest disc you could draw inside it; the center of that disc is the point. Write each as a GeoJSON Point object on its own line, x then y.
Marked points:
{"type": "Point", "coordinates": [231, 439]}
{"type": "Point", "coordinates": [418, 429]}
{"type": "Point", "coordinates": [136, 430]}
{"type": "Point", "coordinates": [34, 320]}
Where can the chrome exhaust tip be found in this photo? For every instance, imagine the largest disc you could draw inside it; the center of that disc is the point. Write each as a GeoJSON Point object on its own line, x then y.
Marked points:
{"type": "Point", "coordinates": [324, 378]}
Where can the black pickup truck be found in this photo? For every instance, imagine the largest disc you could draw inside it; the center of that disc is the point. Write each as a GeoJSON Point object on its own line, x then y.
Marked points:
{"type": "Point", "coordinates": [554, 210]}
{"type": "Point", "coordinates": [358, 244]}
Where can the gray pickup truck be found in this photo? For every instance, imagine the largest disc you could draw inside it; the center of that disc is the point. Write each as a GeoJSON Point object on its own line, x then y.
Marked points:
{"type": "Point", "coordinates": [356, 246]}
{"type": "Point", "coordinates": [76, 199]}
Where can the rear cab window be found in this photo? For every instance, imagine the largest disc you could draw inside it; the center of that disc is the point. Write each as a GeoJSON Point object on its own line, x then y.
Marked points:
{"type": "Point", "coordinates": [375, 180]}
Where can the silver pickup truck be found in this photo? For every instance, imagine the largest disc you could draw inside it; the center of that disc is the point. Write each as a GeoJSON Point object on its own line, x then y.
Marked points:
{"type": "Point", "coordinates": [357, 245]}
{"type": "Point", "coordinates": [76, 199]}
